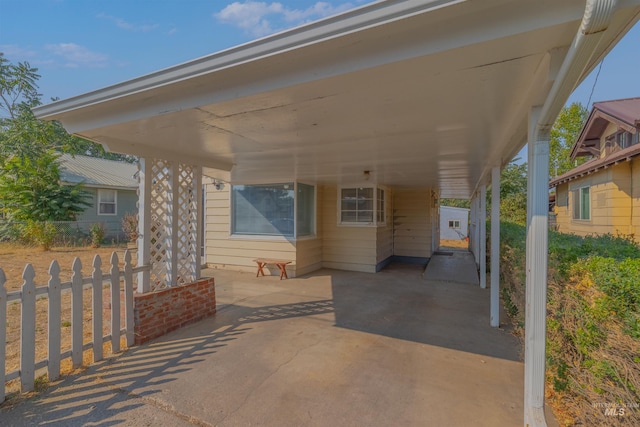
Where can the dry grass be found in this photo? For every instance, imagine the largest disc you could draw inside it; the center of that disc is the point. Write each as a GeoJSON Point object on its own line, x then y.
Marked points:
{"type": "Point", "coordinates": [614, 375]}
{"type": "Point", "coordinates": [12, 261]}
{"type": "Point", "coordinates": [455, 244]}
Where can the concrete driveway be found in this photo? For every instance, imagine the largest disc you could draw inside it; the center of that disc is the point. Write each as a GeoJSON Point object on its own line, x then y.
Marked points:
{"type": "Point", "coordinates": [332, 348]}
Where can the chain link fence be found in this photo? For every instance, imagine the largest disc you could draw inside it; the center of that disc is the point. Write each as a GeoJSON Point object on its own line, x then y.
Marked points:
{"type": "Point", "coordinates": [66, 233]}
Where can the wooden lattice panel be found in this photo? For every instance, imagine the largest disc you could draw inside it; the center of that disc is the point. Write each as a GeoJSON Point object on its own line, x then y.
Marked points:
{"type": "Point", "coordinates": [161, 224]}
{"type": "Point", "coordinates": [187, 224]}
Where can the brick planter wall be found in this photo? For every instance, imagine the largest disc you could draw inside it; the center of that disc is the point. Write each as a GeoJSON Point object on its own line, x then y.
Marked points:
{"type": "Point", "coordinates": [158, 313]}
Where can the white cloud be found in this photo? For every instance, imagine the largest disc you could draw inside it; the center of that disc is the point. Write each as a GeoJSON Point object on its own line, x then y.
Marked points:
{"type": "Point", "coordinates": [77, 56]}
{"type": "Point", "coordinates": [121, 23]}
{"type": "Point", "coordinates": [16, 53]}
{"type": "Point", "coordinates": [258, 18]}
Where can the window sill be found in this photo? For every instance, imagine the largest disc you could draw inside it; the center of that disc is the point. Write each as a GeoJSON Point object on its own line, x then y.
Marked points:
{"type": "Point", "coordinates": [259, 237]}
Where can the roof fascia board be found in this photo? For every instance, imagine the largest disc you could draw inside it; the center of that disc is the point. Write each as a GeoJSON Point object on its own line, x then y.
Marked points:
{"type": "Point", "coordinates": [367, 16]}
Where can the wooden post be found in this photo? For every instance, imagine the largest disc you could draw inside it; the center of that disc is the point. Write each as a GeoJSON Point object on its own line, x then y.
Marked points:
{"type": "Point", "coordinates": [144, 223]}
{"type": "Point", "coordinates": [3, 333]}
{"type": "Point", "coordinates": [28, 330]}
{"type": "Point", "coordinates": [53, 366]}
{"type": "Point", "coordinates": [128, 298]}
{"type": "Point", "coordinates": [76, 313]}
{"type": "Point", "coordinates": [115, 304]}
{"type": "Point", "coordinates": [97, 311]}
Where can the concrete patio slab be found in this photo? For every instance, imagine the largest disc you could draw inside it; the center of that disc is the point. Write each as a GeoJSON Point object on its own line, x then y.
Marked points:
{"type": "Point", "coordinates": [452, 266]}
{"type": "Point", "coordinates": [331, 348]}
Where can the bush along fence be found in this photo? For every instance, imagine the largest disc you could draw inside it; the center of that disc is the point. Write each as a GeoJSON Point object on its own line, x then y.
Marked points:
{"type": "Point", "coordinates": [593, 323]}
{"type": "Point", "coordinates": [99, 284]}
{"type": "Point", "coordinates": [60, 233]}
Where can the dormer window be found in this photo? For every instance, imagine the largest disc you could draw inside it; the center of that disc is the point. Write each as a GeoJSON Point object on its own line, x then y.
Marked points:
{"type": "Point", "coordinates": [624, 139]}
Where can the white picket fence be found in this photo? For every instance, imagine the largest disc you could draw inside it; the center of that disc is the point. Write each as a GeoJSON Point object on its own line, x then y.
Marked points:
{"type": "Point", "coordinates": [53, 291]}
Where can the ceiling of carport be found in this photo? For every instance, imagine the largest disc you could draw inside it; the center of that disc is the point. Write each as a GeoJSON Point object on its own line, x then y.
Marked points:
{"type": "Point", "coordinates": [434, 98]}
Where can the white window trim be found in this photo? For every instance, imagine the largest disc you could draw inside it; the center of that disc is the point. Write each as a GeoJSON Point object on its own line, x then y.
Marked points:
{"type": "Point", "coordinates": [453, 221]}
{"type": "Point", "coordinates": [115, 202]}
{"type": "Point", "coordinates": [270, 237]}
{"type": "Point", "coordinates": [577, 192]}
{"type": "Point", "coordinates": [375, 222]}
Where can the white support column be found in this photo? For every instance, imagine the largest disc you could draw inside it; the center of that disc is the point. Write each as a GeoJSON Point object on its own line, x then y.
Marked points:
{"type": "Point", "coordinates": [174, 235]}
{"type": "Point", "coordinates": [482, 238]}
{"type": "Point", "coordinates": [197, 172]}
{"type": "Point", "coordinates": [495, 247]}
{"type": "Point", "coordinates": [536, 266]}
{"type": "Point", "coordinates": [476, 231]}
{"type": "Point", "coordinates": [144, 223]}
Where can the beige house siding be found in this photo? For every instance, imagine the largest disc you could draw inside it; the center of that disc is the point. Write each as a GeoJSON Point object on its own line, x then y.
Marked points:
{"type": "Point", "coordinates": [384, 238]}
{"type": "Point", "coordinates": [412, 228]}
{"type": "Point", "coordinates": [238, 253]}
{"type": "Point", "coordinates": [345, 247]}
{"type": "Point", "coordinates": [614, 200]}
{"type": "Point", "coordinates": [635, 197]}
{"type": "Point", "coordinates": [407, 232]}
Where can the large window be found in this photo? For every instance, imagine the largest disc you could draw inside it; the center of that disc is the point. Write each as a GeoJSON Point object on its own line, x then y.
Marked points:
{"type": "Point", "coordinates": [270, 210]}
{"type": "Point", "coordinates": [362, 206]}
{"type": "Point", "coordinates": [107, 202]}
{"type": "Point", "coordinates": [582, 203]}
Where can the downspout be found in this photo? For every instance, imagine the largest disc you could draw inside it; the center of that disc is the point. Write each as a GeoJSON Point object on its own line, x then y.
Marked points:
{"type": "Point", "coordinates": [595, 21]}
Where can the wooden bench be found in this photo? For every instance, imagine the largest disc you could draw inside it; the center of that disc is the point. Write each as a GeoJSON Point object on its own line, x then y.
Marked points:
{"type": "Point", "coordinates": [281, 264]}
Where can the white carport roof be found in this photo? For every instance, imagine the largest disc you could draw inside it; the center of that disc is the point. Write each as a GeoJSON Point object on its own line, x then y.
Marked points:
{"type": "Point", "coordinates": [420, 93]}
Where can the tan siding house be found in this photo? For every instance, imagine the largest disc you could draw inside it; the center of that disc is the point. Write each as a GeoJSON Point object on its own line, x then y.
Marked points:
{"type": "Point", "coordinates": [603, 195]}
{"type": "Point", "coordinates": [402, 229]}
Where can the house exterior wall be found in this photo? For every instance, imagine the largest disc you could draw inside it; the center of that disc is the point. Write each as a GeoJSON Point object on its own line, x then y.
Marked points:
{"type": "Point", "coordinates": [635, 197]}
{"type": "Point", "coordinates": [384, 234]}
{"type": "Point", "coordinates": [237, 253]}
{"type": "Point", "coordinates": [412, 227]}
{"type": "Point", "coordinates": [614, 199]}
{"type": "Point", "coordinates": [126, 203]}
{"type": "Point", "coordinates": [344, 247]}
{"type": "Point", "coordinates": [448, 213]}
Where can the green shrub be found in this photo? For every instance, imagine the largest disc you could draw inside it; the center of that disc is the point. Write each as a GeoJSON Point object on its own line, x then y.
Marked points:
{"type": "Point", "coordinates": [97, 231]}
{"type": "Point", "coordinates": [40, 233]}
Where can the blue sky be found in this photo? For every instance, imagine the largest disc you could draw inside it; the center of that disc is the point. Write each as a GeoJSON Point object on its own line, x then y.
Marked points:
{"type": "Point", "coordinates": [83, 45]}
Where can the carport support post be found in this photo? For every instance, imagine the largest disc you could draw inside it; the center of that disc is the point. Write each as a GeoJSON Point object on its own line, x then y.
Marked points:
{"type": "Point", "coordinates": [474, 224]}
{"type": "Point", "coordinates": [495, 247]}
{"type": "Point", "coordinates": [482, 238]}
{"type": "Point", "coordinates": [144, 224]}
{"type": "Point", "coordinates": [536, 270]}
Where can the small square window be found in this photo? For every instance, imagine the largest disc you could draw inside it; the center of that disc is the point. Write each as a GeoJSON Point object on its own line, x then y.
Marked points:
{"type": "Point", "coordinates": [362, 205]}
{"type": "Point", "coordinates": [107, 202]}
{"type": "Point", "coordinates": [455, 223]}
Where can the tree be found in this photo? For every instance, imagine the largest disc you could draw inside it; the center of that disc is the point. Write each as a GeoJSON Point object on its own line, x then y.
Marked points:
{"type": "Point", "coordinates": [20, 129]}
{"type": "Point", "coordinates": [31, 190]}
{"type": "Point", "coordinates": [564, 133]}
{"type": "Point", "coordinates": [30, 187]}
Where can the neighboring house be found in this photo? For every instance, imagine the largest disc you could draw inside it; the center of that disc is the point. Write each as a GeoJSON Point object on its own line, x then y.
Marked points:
{"type": "Point", "coordinates": [112, 186]}
{"type": "Point", "coordinates": [454, 223]}
{"type": "Point", "coordinates": [603, 194]}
